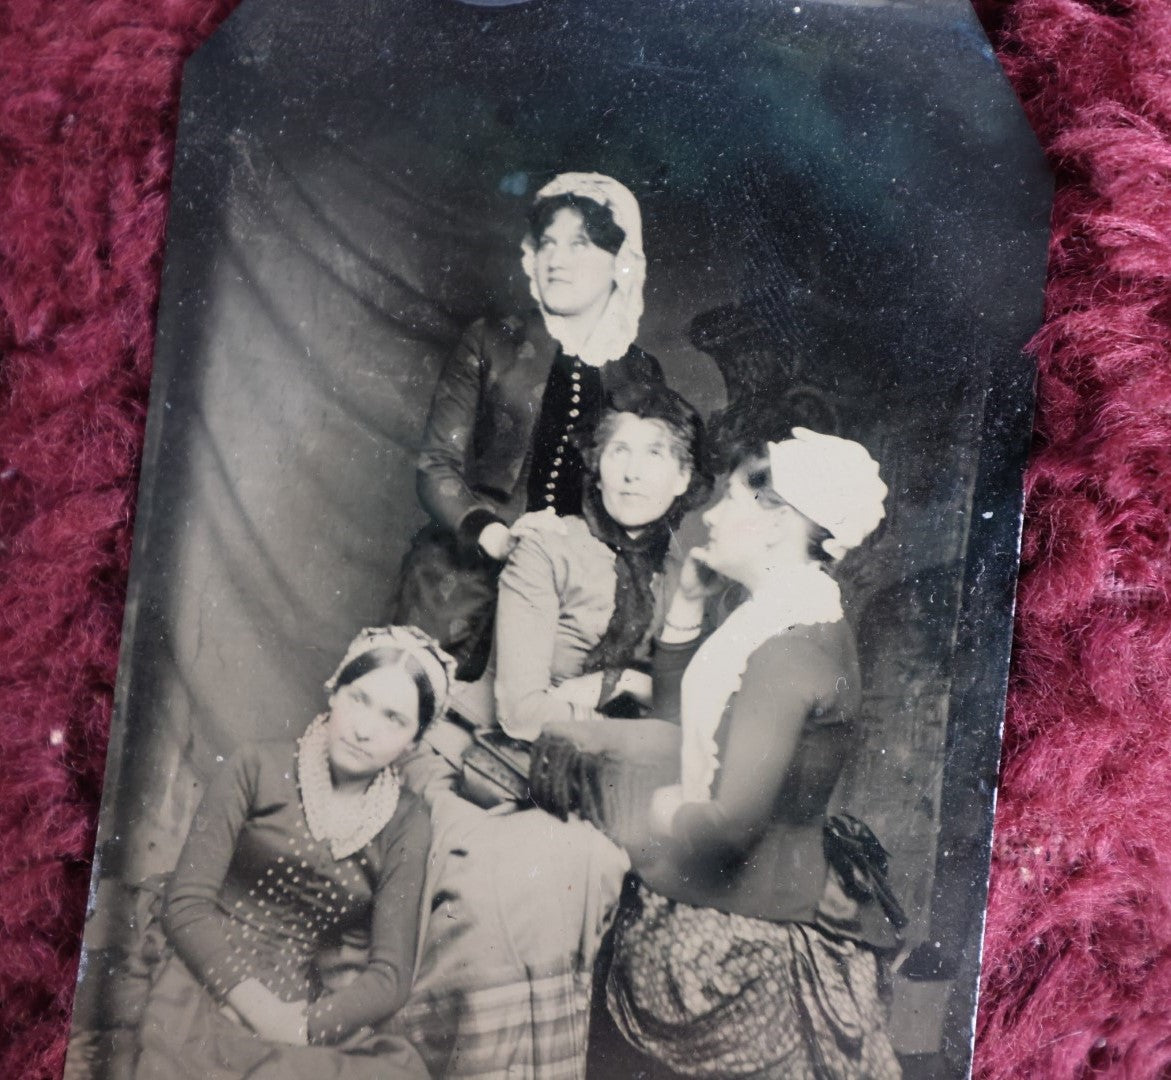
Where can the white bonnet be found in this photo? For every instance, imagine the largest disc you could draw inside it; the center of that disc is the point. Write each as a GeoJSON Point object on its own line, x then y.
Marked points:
{"type": "Point", "coordinates": [437, 665]}
{"type": "Point", "coordinates": [833, 482]}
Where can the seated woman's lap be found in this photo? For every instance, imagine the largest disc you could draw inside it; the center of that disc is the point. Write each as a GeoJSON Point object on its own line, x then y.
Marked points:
{"type": "Point", "coordinates": [185, 1035]}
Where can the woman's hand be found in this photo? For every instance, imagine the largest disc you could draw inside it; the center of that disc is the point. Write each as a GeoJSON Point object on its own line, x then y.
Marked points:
{"type": "Point", "coordinates": [697, 580]}
{"type": "Point", "coordinates": [497, 540]}
{"type": "Point", "coordinates": [587, 689]}
{"type": "Point", "coordinates": [267, 1015]}
{"type": "Point", "coordinates": [635, 683]}
{"type": "Point", "coordinates": [537, 521]}
{"type": "Point", "coordinates": [580, 690]}
{"type": "Point", "coordinates": [664, 803]}
{"type": "Point", "coordinates": [288, 1022]}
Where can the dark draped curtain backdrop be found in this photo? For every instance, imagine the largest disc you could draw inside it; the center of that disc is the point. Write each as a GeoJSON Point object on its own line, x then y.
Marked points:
{"type": "Point", "coordinates": [844, 215]}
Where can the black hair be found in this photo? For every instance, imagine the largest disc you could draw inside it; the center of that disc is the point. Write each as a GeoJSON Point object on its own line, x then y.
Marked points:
{"type": "Point", "coordinates": [759, 477]}
{"type": "Point", "coordinates": [597, 220]}
{"type": "Point", "coordinates": [740, 431]}
{"type": "Point", "coordinates": [388, 656]}
{"type": "Point", "coordinates": [657, 401]}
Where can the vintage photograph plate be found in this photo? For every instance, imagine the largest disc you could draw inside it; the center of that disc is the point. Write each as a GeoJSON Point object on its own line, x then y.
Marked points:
{"type": "Point", "coordinates": [648, 380]}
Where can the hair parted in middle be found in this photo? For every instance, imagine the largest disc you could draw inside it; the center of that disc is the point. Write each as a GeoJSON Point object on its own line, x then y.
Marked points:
{"type": "Point", "coordinates": [684, 426]}
{"type": "Point", "coordinates": [597, 220]}
{"type": "Point", "coordinates": [429, 667]}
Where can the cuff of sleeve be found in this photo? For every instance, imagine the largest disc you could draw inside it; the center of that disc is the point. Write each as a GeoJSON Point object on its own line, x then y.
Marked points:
{"type": "Point", "coordinates": [220, 982]}
{"type": "Point", "coordinates": [678, 646]}
{"type": "Point", "coordinates": [474, 522]}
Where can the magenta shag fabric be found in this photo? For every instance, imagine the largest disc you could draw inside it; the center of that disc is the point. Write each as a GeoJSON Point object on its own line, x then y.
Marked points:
{"type": "Point", "coordinates": [1077, 968]}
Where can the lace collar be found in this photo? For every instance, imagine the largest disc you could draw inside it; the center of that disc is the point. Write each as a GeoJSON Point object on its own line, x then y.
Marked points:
{"type": "Point", "coordinates": [348, 825]}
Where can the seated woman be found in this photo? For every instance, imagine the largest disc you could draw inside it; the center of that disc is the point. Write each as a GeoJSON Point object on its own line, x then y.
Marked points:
{"type": "Point", "coordinates": [519, 900]}
{"type": "Point", "coordinates": [295, 849]}
{"type": "Point", "coordinates": [582, 596]}
{"type": "Point", "coordinates": [752, 945]}
{"type": "Point", "coordinates": [581, 599]}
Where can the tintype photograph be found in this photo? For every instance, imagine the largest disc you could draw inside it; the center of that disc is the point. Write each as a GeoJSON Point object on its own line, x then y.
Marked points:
{"type": "Point", "coordinates": [573, 575]}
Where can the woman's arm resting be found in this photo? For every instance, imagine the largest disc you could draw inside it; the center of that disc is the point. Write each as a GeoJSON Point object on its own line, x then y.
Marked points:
{"type": "Point", "coordinates": [191, 916]}
{"type": "Point", "coordinates": [441, 476]}
{"type": "Point", "coordinates": [381, 989]}
{"type": "Point", "coordinates": [527, 611]}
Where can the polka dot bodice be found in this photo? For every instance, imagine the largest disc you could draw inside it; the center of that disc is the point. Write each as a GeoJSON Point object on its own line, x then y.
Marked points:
{"type": "Point", "coordinates": [286, 897]}
{"type": "Point", "coordinates": [256, 896]}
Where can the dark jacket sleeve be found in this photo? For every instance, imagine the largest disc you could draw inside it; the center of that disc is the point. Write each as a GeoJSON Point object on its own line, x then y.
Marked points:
{"type": "Point", "coordinates": [192, 917]}
{"type": "Point", "coordinates": [442, 474]}
{"type": "Point", "coordinates": [784, 680]}
{"type": "Point", "coordinates": [381, 989]}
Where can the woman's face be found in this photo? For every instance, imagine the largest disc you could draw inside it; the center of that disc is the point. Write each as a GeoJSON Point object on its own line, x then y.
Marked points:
{"type": "Point", "coordinates": [639, 476]}
{"type": "Point", "coordinates": [742, 528]}
{"type": "Point", "coordinates": [573, 273]}
{"type": "Point", "coordinates": [372, 721]}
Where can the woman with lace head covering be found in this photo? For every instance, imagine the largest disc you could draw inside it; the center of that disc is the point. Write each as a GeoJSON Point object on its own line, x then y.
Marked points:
{"type": "Point", "coordinates": [753, 944]}
{"type": "Point", "coordinates": [296, 850]}
{"type": "Point", "coordinates": [511, 399]}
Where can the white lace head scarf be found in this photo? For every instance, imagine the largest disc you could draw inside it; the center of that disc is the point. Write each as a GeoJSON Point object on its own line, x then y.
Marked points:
{"type": "Point", "coordinates": [617, 326]}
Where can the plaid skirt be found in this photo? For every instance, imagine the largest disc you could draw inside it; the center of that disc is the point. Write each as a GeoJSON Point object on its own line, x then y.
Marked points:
{"type": "Point", "coordinates": [517, 904]}
{"type": "Point", "coordinates": [716, 995]}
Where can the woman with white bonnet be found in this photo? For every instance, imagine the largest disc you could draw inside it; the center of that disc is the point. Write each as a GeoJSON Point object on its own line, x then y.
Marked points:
{"type": "Point", "coordinates": [499, 440]}
{"type": "Point", "coordinates": [753, 945]}
{"type": "Point", "coordinates": [300, 853]}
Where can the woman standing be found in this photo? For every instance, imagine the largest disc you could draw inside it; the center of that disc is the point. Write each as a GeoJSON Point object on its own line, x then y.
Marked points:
{"type": "Point", "coordinates": [752, 945]}
{"type": "Point", "coordinates": [296, 849]}
{"type": "Point", "coordinates": [499, 439]}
